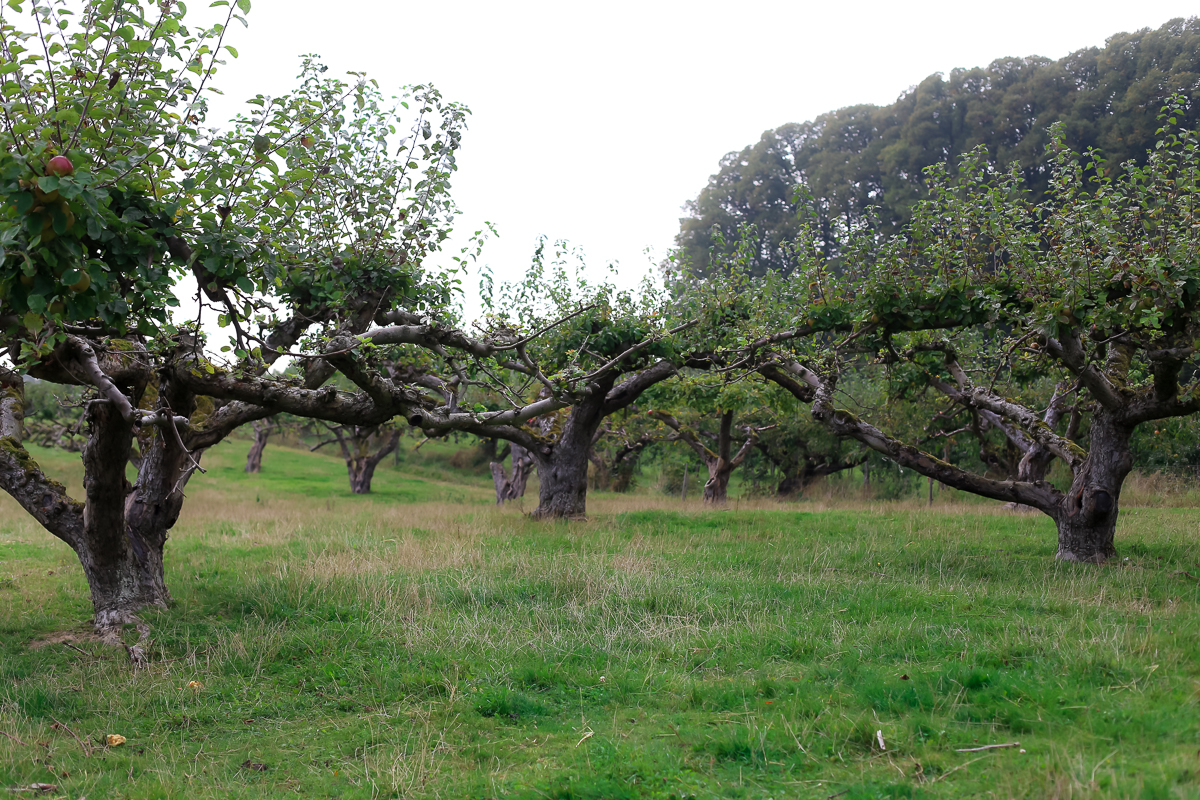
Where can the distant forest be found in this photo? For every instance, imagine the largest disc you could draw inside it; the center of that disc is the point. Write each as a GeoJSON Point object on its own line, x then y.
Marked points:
{"type": "Point", "coordinates": [869, 159]}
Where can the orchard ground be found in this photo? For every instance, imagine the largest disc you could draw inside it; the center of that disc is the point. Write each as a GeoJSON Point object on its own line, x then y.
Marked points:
{"type": "Point", "coordinates": [422, 643]}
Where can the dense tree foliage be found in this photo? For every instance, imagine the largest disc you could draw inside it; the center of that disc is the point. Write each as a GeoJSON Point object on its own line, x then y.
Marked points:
{"type": "Point", "coordinates": [869, 160]}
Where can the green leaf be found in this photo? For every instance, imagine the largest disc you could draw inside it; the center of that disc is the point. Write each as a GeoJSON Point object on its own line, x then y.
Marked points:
{"type": "Point", "coordinates": [47, 183]}
{"type": "Point", "coordinates": [139, 46]}
{"type": "Point", "coordinates": [232, 50]}
{"type": "Point", "coordinates": [244, 5]}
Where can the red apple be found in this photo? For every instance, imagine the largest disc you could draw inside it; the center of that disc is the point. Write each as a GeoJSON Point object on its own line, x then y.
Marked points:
{"type": "Point", "coordinates": [60, 166]}
{"type": "Point", "coordinates": [308, 141]}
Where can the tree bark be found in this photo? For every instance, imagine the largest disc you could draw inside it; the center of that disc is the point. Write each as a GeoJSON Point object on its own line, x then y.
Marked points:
{"type": "Point", "coordinates": [361, 463]}
{"type": "Point", "coordinates": [563, 466]}
{"type": "Point", "coordinates": [720, 463]}
{"type": "Point", "coordinates": [522, 465]}
{"type": "Point", "coordinates": [562, 489]}
{"type": "Point", "coordinates": [1087, 518]}
{"type": "Point", "coordinates": [254, 457]}
{"type": "Point", "coordinates": [500, 481]}
{"type": "Point", "coordinates": [119, 533]}
{"type": "Point", "coordinates": [108, 557]}
{"type": "Point", "coordinates": [511, 487]}
{"type": "Point", "coordinates": [361, 471]}
{"type": "Point", "coordinates": [716, 488]}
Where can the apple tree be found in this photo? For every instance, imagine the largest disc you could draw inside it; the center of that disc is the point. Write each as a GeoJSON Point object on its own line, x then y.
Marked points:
{"type": "Point", "coordinates": [1096, 287]}
{"type": "Point", "coordinates": [308, 227]}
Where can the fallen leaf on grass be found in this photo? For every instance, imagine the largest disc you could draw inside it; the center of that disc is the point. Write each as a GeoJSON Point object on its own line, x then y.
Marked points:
{"type": "Point", "coordinates": [114, 740]}
{"type": "Point", "coordinates": [37, 787]}
{"type": "Point", "coordinates": [195, 686]}
{"type": "Point", "coordinates": [248, 764]}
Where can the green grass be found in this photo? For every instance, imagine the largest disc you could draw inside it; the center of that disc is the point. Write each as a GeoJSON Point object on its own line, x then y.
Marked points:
{"type": "Point", "coordinates": [385, 647]}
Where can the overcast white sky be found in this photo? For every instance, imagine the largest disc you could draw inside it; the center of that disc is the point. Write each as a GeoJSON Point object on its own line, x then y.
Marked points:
{"type": "Point", "coordinates": [595, 122]}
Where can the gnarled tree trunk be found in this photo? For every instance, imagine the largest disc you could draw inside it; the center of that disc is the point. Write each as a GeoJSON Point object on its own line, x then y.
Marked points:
{"type": "Point", "coordinates": [361, 463]}
{"type": "Point", "coordinates": [716, 488]}
{"type": "Point", "coordinates": [720, 462]}
{"type": "Point", "coordinates": [356, 443]}
{"type": "Point", "coordinates": [110, 561]}
{"type": "Point", "coordinates": [563, 466]}
{"type": "Point", "coordinates": [1087, 517]}
{"type": "Point", "coordinates": [562, 485]}
{"type": "Point", "coordinates": [119, 532]}
{"type": "Point", "coordinates": [262, 432]}
{"type": "Point", "coordinates": [511, 487]}
{"type": "Point", "coordinates": [560, 449]}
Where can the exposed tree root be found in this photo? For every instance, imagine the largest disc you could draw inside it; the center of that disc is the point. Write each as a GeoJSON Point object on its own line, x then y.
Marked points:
{"type": "Point", "coordinates": [111, 630]}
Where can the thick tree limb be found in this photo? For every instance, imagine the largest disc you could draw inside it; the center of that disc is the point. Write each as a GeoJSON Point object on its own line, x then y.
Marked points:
{"type": "Point", "coordinates": [273, 395]}
{"type": "Point", "coordinates": [429, 335]}
{"type": "Point", "coordinates": [793, 376]}
{"type": "Point", "coordinates": [89, 367]}
{"type": "Point", "coordinates": [1031, 423]}
{"type": "Point", "coordinates": [999, 411]}
{"type": "Point", "coordinates": [684, 435]}
{"type": "Point", "coordinates": [785, 376]}
{"type": "Point", "coordinates": [45, 500]}
{"type": "Point", "coordinates": [485, 423]}
{"type": "Point", "coordinates": [842, 423]}
{"type": "Point", "coordinates": [1146, 406]}
{"type": "Point", "coordinates": [222, 422]}
{"type": "Point", "coordinates": [626, 392]}
{"type": "Point", "coordinates": [1069, 351]}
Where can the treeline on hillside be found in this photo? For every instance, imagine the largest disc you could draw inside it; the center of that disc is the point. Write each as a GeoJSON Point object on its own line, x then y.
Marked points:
{"type": "Point", "coordinates": [867, 159]}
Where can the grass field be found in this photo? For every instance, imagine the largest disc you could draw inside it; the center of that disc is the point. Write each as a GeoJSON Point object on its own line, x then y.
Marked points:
{"type": "Point", "coordinates": [422, 643]}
